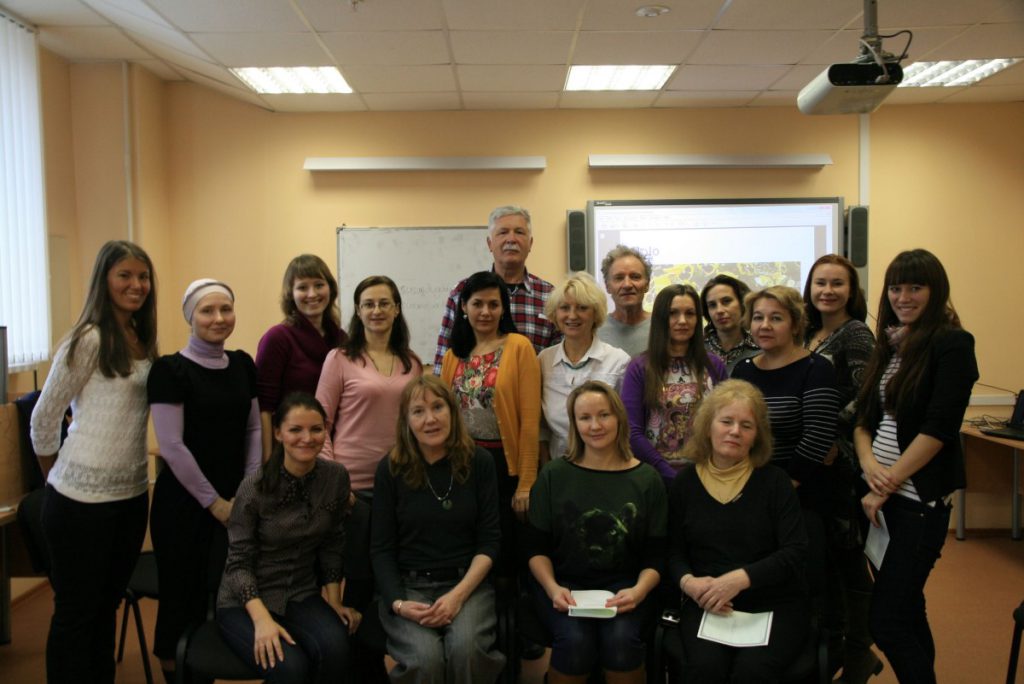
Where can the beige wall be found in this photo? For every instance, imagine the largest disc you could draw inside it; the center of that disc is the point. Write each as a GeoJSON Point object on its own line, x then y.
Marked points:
{"type": "Point", "coordinates": [218, 188]}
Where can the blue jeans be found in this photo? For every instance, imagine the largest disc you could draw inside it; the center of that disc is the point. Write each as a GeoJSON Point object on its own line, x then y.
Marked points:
{"type": "Point", "coordinates": [93, 549]}
{"type": "Point", "coordinates": [579, 645]}
{"type": "Point", "coordinates": [899, 623]}
{"type": "Point", "coordinates": [461, 653]}
{"type": "Point", "coordinates": [321, 650]}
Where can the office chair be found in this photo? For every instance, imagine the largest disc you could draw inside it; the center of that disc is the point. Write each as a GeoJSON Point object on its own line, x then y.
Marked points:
{"type": "Point", "coordinates": [142, 584]}
{"type": "Point", "coordinates": [1018, 625]}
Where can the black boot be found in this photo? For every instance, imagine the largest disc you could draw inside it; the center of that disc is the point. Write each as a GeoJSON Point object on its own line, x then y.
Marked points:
{"type": "Point", "coordinates": [859, 662]}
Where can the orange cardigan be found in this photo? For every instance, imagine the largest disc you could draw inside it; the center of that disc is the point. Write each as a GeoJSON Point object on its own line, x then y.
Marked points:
{"type": "Point", "coordinates": [516, 405]}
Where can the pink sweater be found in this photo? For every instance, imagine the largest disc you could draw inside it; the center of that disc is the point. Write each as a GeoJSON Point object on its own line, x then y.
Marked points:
{"type": "Point", "coordinates": [362, 411]}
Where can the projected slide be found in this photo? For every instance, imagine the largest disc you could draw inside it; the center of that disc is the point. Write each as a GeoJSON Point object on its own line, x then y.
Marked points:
{"type": "Point", "coordinates": [761, 242]}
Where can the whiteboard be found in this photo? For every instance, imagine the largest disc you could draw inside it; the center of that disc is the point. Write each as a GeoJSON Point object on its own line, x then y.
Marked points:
{"type": "Point", "coordinates": [425, 263]}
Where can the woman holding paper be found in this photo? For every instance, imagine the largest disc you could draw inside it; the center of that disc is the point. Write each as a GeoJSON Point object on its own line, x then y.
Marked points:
{"type": "Point", "coordinates": [597, 522]}
{"type": "Point", "coordinates": [737, 540]}
{"type": "Point", "coordinates": [912, 404]}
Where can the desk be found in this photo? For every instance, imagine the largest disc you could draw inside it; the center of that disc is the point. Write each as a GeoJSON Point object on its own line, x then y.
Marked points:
{"type": "Point", "coordinates": [971, 433]}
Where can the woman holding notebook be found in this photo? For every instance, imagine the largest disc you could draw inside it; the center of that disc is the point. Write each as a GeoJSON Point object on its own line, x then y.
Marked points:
{"type": "Point", "coordinates": [597, 522]}
{"type": "Point", "coordinates": [737, 539]}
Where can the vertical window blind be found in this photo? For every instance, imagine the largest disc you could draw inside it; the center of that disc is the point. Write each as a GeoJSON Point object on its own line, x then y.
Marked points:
{"type": "Point", "coordinates": [24, 285]}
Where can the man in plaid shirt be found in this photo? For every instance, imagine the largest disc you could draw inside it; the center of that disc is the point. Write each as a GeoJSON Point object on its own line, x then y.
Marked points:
{"type": "Point", "coordinates": [510, 237]}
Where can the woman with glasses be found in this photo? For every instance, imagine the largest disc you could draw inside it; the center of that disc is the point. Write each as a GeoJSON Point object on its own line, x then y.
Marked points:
{"type": "Point", "coordinates": [362, 381]}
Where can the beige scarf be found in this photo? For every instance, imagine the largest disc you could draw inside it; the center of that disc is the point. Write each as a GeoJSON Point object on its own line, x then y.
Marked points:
{"type": "Point", "coordinates": [724, 484]}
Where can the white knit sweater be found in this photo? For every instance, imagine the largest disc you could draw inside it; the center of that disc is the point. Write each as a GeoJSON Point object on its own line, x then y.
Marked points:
{"type": "Point", "coordinates": [104, 456]}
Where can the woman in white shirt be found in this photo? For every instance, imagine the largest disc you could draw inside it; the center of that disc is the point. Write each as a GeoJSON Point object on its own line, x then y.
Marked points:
{"type": "Point", "coordinates": [577, 308]}
{"type": "Point", "coordinates": [94, 514]}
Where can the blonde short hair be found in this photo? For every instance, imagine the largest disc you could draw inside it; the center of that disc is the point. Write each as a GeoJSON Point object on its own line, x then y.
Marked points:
{"type": "Point", "coordinates": [698, 449]}
{"type": "Point", "coordinates": [583, 288]}
{"type": "Point", "coordinates": [790, 300]}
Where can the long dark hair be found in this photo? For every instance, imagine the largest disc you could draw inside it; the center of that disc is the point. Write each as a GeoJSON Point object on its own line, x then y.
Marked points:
{"type": "Point", "coordinates": [406, 457]}
{"type": "Point", "coordinates": [658, 356]}
{"type": "Point", "coordinates": [115, 356]}
{"type": "Point", "coordinates": [856, 305]}
{"type": "Point", "coordinates": [463, 338]}
{"type": "Point", "coordinates": [270, 471]}
{"type": "Point", "coordinates": [398, 342]}
{"type": "Point", "coordinates": [308, 266]}
{"type": "Point", "coordinates": [916, 267]}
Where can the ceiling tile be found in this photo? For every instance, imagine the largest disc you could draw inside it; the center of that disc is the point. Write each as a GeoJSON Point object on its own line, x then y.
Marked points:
{"type": "Point", "coordinates": [384, 102]}
{"type": "Point", "coordinates": [229, 15]}
{"type": "Point", "coordinates": [238, 93]}
{"type": "Point", "coordinates": [793, 14]}
{"type": "Point", "coordinates": [160, 68]}
{"type": "Point", "coordinates": [511, 47]}
{"type": "Point", "coordinates": [844, 46]}
{"type": "Point", "coordinates": [798, 76]}
{"type": "Point", "coordinates": [615, 15]}
{"type": "Point", "coordinates": [388, 47]}
{"type": "Point", "coordinates": [400, 79]}
{"type": "Point", "coordinates": [55, 12]}
{"type": "Point", "coordinates": [708, 98]}
{"type": "Point", "coordinates": [1012, 10]}
{"type": "Point", "coordinates": [725, 77]}
{"type": "Point", "coordinates": [986, 41]}
{"type": "Point", "coordinates": [375, 15]}
{"type": "Point", "coordinates": [607, 100]}
{"type": "Point", "coordinates": [757, 47]}
{"type": "Point", "coordinates": [634, 47]}
{"type": "Point", "coordinates": [980, 93]}
{"type": "Point", "coordinates": [85, 43]}
{"type": "Point", "coordinates": [263, 49]}
{"type": "Point", "coordinates": [511, 78]}
{"type": "Point", "coordinates": [137, 19]}
{"type": "Point", "coordinates": [775, 98]}
{"type": "Point", "coordinates": [504, 100]}
{"type": "Point", "coordinates": [328, 102]}
{"type": "Point", "coordinates": [501, 15]}
{"type": "Point", "coordinates": [189, 65]}
{"type": "Point", "coordinates": [914, 13]}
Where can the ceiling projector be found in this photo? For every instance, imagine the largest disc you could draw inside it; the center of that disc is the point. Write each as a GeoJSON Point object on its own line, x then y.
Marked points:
{"type": "Point", "coordinates": [852, 88]}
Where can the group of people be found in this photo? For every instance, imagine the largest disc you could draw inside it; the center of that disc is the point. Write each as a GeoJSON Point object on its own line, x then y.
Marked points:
{"type": "Point", "coordinates": [557, 446]}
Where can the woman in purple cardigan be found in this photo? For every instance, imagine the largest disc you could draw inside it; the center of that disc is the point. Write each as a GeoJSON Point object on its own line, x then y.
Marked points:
{"type": "Point", "coordinates": [662, 388]}
{"type": "Point", "coordinates": [291, 354]}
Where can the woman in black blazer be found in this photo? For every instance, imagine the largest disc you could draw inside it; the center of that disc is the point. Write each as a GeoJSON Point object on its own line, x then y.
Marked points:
{"type": "Point", "coordinates": [916, 391]}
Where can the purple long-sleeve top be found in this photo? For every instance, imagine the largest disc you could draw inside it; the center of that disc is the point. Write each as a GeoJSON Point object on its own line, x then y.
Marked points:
{"type": "Point", "coordinates": [289, 358]}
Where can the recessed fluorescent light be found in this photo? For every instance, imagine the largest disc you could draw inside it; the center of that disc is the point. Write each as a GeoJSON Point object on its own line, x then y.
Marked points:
{"type": "Point", "coordinates": [952, 73]}
{"type": "Point", "coordinates": [618, 77]}
{"type": "Point", "coordinates": [301, 80]}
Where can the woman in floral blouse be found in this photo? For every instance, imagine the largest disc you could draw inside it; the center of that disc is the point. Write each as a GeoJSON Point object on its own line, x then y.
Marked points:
{"type": "Point", "coordinates": [496, 378]}
{"type": "Point", "coordinates": [663, 387]}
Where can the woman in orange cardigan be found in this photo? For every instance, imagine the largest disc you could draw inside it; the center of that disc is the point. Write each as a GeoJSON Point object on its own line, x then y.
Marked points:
{"type": "Point", "coordinates": [496, 378]}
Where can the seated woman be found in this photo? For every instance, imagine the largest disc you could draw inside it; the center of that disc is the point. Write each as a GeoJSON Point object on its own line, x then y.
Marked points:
{"type": "Point", "coordinates": [737, 539]}
{"type": "Point", "coordinates": [578, 309]}
{"type": "Point", "coordinates": [597, 521]}
{"type": "Point", "coordinates": [435, 537]}
{"type": "Point", "coordinates": [286, 541]}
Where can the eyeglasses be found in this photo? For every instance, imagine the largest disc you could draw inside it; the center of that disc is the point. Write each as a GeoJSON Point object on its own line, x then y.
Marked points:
{"type": "Point", "coordinates": [384, 305]}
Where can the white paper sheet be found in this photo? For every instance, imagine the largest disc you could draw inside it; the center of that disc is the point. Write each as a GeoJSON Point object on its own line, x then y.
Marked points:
{"type": "Point", "coordinates": [877, 542]}
{"type": "Point", "coordinates": [736, 629]}
{"type": "Point", "coordinates": [590, 604]}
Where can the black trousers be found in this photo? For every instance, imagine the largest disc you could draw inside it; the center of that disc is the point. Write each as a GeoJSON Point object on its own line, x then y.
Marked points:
{"type": "Point", "coordinates": [93, 550]}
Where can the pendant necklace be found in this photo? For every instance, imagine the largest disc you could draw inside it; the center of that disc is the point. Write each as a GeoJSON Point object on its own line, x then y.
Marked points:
{"type": "Point", "coordinates": [445, 501]}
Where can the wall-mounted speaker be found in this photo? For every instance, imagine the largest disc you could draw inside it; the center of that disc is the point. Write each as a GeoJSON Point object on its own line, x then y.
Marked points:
{"type": "Point", "coordinates": [857, 235]}
{"type": "Point", "coordinates": [576, 239]}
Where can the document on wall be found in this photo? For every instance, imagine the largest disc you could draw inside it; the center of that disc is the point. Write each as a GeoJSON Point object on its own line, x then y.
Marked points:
{"type": "Point", "coordinates": [877, 542]}
{"type": "Point", "coordinates": [590, 603]}
{"type": "Point", "coordinates": [738, 629]}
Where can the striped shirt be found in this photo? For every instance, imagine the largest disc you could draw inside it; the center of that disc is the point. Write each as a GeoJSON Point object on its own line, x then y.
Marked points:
{"type": "Point", "coordinates": [803, 406]}
{"type": "Point", "coordinates": [885, 446]}
{"type": "Point", "coordinates": [527, 299]}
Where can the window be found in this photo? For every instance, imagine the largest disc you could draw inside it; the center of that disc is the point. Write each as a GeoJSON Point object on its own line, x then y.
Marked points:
{"type": "Point", "coordinates": [24, 297]}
